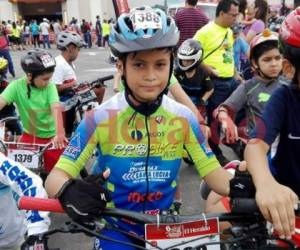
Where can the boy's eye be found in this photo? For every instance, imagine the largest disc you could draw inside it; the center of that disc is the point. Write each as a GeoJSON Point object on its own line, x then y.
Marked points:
{"type": "Point", "coordinates": [161, 64]}
{"type": "Point", "coordinates": [137, 65]}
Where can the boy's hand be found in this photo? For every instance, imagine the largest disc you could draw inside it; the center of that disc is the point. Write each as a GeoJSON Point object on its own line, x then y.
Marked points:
{"type": "Point", "coordinates": [84, 199]}
{"type": "Point", "coordinates": [277, 203]}
{"type": "Point", "coordinates": [229, 129]}
{"type": "Point", "coordinates": [59, 141]}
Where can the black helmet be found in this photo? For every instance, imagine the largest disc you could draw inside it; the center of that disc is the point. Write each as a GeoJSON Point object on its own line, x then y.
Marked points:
{"type": "Point", "coordinates": [143, 28]}
{"type": "Point", "coordinates": [38, 61]}
{"type": "Point", "coordinates": [190, 49]}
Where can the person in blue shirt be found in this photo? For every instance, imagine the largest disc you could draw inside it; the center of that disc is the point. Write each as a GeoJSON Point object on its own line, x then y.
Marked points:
{"type": "Point", "coordinates": [277, 195]}
{"type": "Point", "coordinates": [240, 46]}
{"type": "Point", "coordinates": [35, 32]}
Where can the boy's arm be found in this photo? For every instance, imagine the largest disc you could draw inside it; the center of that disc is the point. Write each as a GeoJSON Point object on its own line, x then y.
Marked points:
{"type": "Point", "coordinates": [55, 181]}
{"type": "Point", "coordinates": [181, 97]}
{"type": "Point", "coordinates": [25, 183]}
{"type": "Point", "coordinates": [207, 95]}
{"type": "Point", "coordinates": [2, 102]}
{"type": "Point", "coordinates": [60, 139]}
{"type": "Point", "coordinates": [218, 181]}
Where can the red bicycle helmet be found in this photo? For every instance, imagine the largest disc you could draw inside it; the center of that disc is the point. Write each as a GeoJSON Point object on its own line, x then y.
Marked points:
{"type": "Point", "coordinates": [290, 35]}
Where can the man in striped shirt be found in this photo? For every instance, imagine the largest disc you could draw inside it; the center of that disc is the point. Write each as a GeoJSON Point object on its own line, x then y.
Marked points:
{"type": "Point", "coordinates": [189, 20]}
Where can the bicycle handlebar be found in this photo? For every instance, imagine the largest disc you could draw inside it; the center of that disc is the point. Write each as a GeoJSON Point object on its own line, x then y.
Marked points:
{"type": "Point", "coordinates": [99, 82]}
{"type": "Point", "coordinates": [53, 205]}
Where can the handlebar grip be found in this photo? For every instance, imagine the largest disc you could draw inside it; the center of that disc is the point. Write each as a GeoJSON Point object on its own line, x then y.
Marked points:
{"type": "Point", "coordinates": [105, 78]}
{"type": "Point", "coordinates": [40, 204]}
{"type": "Point", "coordinates": [244, 206]}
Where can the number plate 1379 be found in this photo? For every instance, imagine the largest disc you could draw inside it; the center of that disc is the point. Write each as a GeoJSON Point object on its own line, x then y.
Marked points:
{"type": "Point", "coordinates": [25, 157]}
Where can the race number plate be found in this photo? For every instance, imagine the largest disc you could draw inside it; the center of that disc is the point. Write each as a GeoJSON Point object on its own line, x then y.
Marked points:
{"type": "Point", "coordinates": [182, 236]}
{"type": "Point", "coordinates": [145, 20]}
{"type": "Point", "coordinates": [2, 131]}
{"type": "Point", "coordinates": [27, 156]}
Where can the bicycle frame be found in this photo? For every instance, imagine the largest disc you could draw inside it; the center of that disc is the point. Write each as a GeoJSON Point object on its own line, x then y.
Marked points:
{"type": "Point", "coordinates": [249, 227]}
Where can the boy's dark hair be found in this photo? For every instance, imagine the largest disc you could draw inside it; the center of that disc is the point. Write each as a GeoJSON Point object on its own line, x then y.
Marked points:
{"type": "Point", "coordinates": [224, 5]}
{"type": "Point", "coordinates": [260, 49]}
{"type": "Point", "coordinates": [192, 2]}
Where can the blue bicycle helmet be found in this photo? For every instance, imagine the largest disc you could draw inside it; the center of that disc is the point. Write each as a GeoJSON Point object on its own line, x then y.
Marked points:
{"type": "Point", "coordinates": [143, 28]}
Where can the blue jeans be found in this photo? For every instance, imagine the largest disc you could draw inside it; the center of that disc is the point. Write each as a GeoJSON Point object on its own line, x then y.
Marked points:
{"type": "Point", "coordinates": [222, 90]}
{"type": "Point", "coordinates": [5, 53]}
{"type": "Point", "coordinates": [99, 40]}
{"type": "Point", "coordinates": [88, 39]}
{"type": "Point", "coordinates": [46, 41]}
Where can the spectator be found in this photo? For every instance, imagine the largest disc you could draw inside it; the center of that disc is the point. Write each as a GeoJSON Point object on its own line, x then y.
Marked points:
{"type": "Point", "coordinates": [258, 10]}
{"type": "Point", "coordinates": [57, 28]}
{"type": "Point", "coordinates": [217, 40]}
{"type": "Point", "coordinates": [44, 27]}
{"type": "Point", "coordinates": [86, 30]}
{"type": "Point", "coordinates": [105, 32]}
{"type": "Point", "coordinates": [16, 36]}
{"type": "Point", "coordinates": [26, 34]}
{"type": "Point", "coordinates": [240, 46]}
{"type": "Point", "coordinates": [34, 28]}
{"type": "Point", "coordinates": [98, 31]}
{"type": "Point", "coordinates": [189, 20]}
{"type": "Point", "coordinates": [4, 49]}
{"type": "Point", "coordinates": [256, 18]}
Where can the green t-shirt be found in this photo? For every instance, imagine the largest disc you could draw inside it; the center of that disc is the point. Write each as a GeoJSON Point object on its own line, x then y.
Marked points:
{"type": "Point", "coordinates": [35, 112]}
{"type": "Point", "coordinates": [211, 37]}
{"type": "Point", "coordinates": [173, 80]}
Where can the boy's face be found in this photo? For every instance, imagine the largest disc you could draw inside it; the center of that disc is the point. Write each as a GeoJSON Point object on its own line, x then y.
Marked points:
{"type": "Point", "coordinates": [42, 81]}
{"type": "Point", "coordinates": [147, 73]}
{"type": "Point", "coordinates": [270, 63]}
{"type": "Point", "coordinates": [186, 63]}
{"type": "Point", "coordinates": [73, 52]}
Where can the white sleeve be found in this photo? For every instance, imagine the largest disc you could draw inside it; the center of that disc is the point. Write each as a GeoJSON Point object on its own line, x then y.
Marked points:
{"type": "Point", "coordinates": [25, 183]}
{"type": "Point", "coordinates": [58, 75]}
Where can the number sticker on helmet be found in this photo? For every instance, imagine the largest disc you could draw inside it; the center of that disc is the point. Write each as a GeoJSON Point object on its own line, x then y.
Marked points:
{"type": "Point", "coordinates": [47, 61]}
{"type": "Point", "coordinates": [145, 20]}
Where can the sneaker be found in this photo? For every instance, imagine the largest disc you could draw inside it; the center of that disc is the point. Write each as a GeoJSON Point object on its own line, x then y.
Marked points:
{"type": "Point", "coordinates": [222, 159]}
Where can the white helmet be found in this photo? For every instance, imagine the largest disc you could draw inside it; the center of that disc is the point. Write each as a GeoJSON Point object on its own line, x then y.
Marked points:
{"type": "Point", "coordinates": [192, 50]}
{"type": "Point", "coordinates": [65, 38]}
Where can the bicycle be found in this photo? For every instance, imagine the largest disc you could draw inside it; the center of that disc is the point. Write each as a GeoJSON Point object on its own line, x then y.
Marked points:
{"type": "Point", "coordinates": [83, 97]}
{"type": "Point", "coordinates": [174, 232]}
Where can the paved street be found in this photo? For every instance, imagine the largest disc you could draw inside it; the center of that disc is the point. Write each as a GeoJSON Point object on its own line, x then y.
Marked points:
{"type": "Point", "coordinates": [90, 65]}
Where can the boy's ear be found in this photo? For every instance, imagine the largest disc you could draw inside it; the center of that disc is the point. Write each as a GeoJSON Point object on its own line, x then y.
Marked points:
{"type": "Point", "coordinates": [29, 76]}
{"type": "Point", "coordinates": [254, 64]}
{"type": "Point", "coordinates": [288, 69]}
{"type": "Point", "coordinates": [120, 66]}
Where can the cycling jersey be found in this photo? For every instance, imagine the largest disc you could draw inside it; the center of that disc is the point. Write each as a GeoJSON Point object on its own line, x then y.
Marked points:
{"type": "Point", "coordinates": [196, 86]}
{"type": "Point", "coordinates": [15, 181]}
{"type": "Point", "coordinates": [121, 135]}
{"type": "Point", "coordinates": [253, 96]}
{"type": "Point", "coordinates": [281, 116]}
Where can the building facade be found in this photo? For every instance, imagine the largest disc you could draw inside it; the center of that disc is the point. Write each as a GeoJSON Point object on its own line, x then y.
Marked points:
{"type": "Point", "coordinates": [56, 9]}
{"type": "Point", "coordinates": [80, 9]}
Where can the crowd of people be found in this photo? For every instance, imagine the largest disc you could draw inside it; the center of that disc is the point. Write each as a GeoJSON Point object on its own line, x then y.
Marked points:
{"type": "Point", "coordinates": [234, 79]}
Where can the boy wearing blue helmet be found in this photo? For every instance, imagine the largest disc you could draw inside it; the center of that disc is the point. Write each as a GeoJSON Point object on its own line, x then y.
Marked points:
{"type": "Point", "coordinates": [140, 134]}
